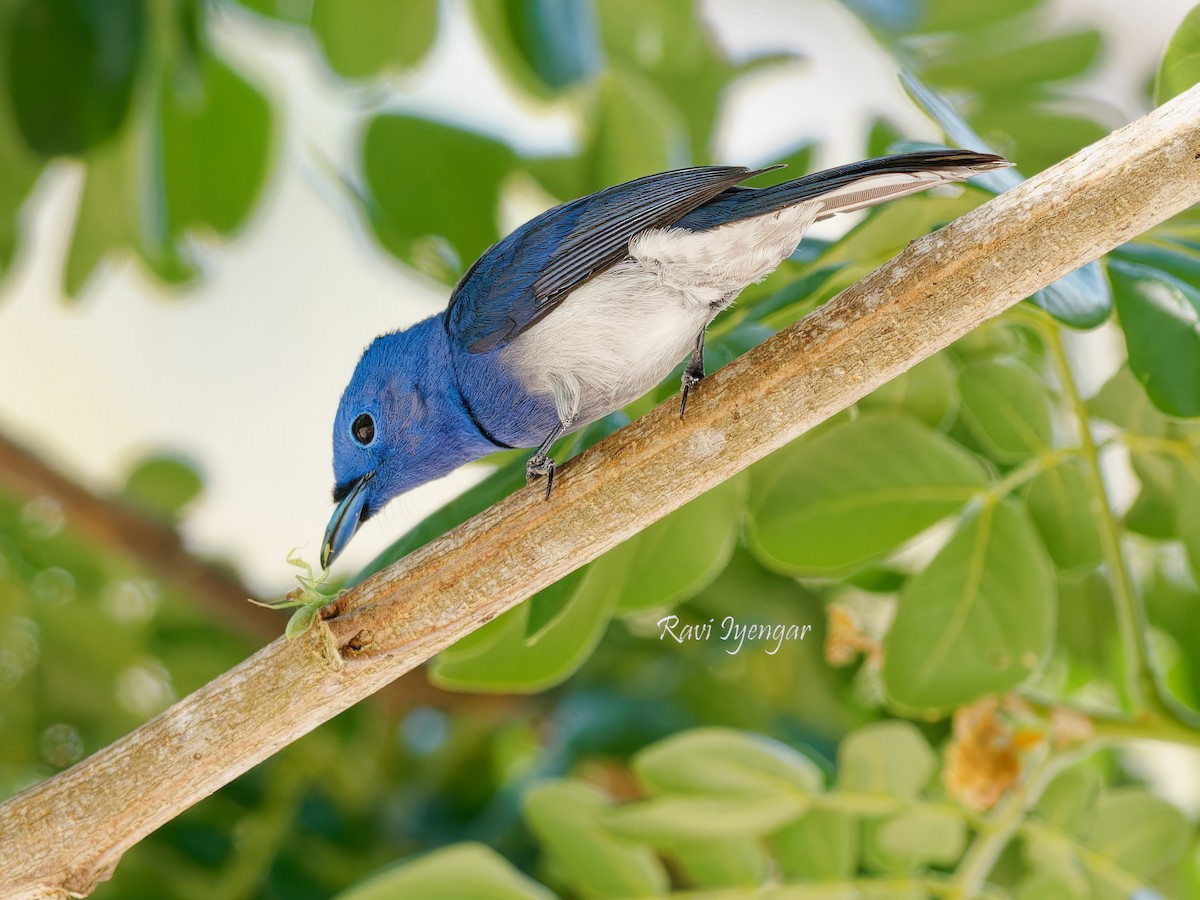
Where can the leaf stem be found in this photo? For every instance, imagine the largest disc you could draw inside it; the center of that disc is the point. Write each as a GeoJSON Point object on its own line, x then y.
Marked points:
{"type": "Point", "coordinates": [1140, 686]}
{"type": "Point", "coordinates": [1027, 471]}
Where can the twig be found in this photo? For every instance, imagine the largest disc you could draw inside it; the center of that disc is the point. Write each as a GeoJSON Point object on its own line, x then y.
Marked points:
{"type": "Point", "coordinates": [69, 832]}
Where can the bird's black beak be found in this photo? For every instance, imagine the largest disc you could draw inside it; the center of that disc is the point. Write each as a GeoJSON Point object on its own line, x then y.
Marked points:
{"type": "Point", "coordinates": [351, 512]}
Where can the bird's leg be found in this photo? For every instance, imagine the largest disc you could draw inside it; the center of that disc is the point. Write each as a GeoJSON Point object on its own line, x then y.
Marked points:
{"type": "Point", "coordinates": [542, 465]}
{"type": "Point", "coordinates": [692, 373]}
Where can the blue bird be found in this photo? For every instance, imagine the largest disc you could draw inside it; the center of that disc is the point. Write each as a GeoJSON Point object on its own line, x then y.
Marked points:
{"type": "Point", "coordinates": [579, 312]}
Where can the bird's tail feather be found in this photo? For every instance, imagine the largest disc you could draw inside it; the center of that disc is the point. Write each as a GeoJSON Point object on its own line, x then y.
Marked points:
{"type": "Point", "coordinates": [862, 184]}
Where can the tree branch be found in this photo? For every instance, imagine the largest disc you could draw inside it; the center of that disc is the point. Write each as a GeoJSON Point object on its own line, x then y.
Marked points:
{"type": "Point", "coordinates": [159, 548]}
{"type": "Point", "coordinates": [124, 530]}
{"type": "Point", "coordinates": [68, 832]}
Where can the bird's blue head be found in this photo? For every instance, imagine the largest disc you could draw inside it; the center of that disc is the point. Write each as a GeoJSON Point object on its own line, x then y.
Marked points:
{"type": "Point", "coordinates": [399, 424]}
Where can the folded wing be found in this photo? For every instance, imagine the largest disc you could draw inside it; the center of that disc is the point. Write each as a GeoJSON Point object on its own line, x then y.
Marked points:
{"type": "Point", "coordinates": [525, 276]}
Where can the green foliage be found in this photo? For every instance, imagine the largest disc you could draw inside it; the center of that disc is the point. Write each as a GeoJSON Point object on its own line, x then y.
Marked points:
{"type": "Point", "coordinates": [1058, 501]}
{"type": "Point", "coordinates": [1160, 316]}
{"type": "Point", "coordinates": [948, 539]}
{"type": "Point", "coordinates": [1014, 82]}
{"type": "Point", "coordinates": [808, 506]}
{"type": "Point", "coordinates": [890, 759]}
{"type": "Point", "coordinates": [545, 46]}
{"type": "Point", "coordinates": [540, 643]}
{"type": "Point", "coordinates": [361, 38]}
{"type": "Point", "coordinates": [1081, 299]}
{"type": "Point", "coordinates": [436, 225]}
{"type": "Point", "coordinates": [1180, 67]}
{"type": "Point", "coordinates": [1006, 409]}
{"type": "Point", "coordinates": [457, 873]}
{"type": "Point", "coordinates": [175, 143]}
{"type": "Point", "coordinates": [71, 70]}
{"type": "Point", "coordinates": [568, 818]}
{"type": "Point", "coordinates": [881, 830]}
{"type": "Point", "coordinates": [163, 486]}
{"type": "Point", "coordinates": [972, 623]}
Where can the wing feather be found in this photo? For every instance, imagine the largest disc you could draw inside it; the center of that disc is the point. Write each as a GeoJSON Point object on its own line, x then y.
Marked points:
{"type": "Point", "coordinates": [528, 274]}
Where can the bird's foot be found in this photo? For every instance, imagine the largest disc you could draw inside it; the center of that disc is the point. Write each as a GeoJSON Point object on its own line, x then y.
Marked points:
{"type": "Point", "coordinates": [540, 466]}
{"type": "Point", "coordinates": [691, 378]}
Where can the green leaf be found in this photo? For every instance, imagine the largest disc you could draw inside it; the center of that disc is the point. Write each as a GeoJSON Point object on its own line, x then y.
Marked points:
{"type": "Point", "coordinates": [294, 11]}
{"type": "Point", "coordinates": [503, 656]}
{"type": "Point", "coordinates": [1160, 316]}
{"type": "Point", "coordinates": [928, 392]}
{"type": "Point", "coordinates": [542, 642]}
{"type": "Point", "coordinates": [1048, 886]}
{"type": "Point", "coordinates": [21, 169]}
{"type": "Point", "coordinates": [110, 211]}
{"type": "Point", "coordinates": [1032, 137]}
{"type": "Point", "coordinates": [1006, 408]}
{"type": "Point", "coordinates": [163, 486]}
{"type": "Point", "coordinates": [1057, 863]}
{"type": "Point", "coordinates": [1123, 401]}
{"type": "Point", "coordinates": [361, 38]}
{"type": "Point", "coordinates": [854, 492]}
{"type": "Point", "coordinates": [724, 863]}
{"type": "Point", "coordinates": [1060, 503]}
{"type": "Point", "coordinates": [672, 47]}
{"type": "Point", "coordinates": [1140, 833]}
{"type": "Point", "coordinates": [1171, 604]}
{"type": "Point", "coordinates": [216, 145]}
{"type": "Point", "coordinates": [71, 70]}
{"type": "Point", "coordinates": [672, 819]}
{"type": "Point", "coordinates": [914, 840]}
{"type": "Point", "coordinates": [1081, 299]}
{"type": "Point", "coordinates": [822, 846]}
{"type": "Point", "coordinates": [546, 46]}
{"type": "Point", "coordinates": [636, 131]}
{"type": "Point", "coordinates": [1180, 66]}
{"type": "Point", "coordinates": [461, 871]}
{"type": "Point", "coordinates": [566, 816]}
{"type": "Point", "coordinates": [1171, 259]}
{"type": "Point", "coordinates": [680, 554]}
{"type": "Point", "coordinates": [1187, 510]}
{"type": "Point", "coordinates": [434, 191]}
{"type": "Point", "coordinates": [951, 15]}
{"type": "Point", "coordinates": [972, 623]}
{"type": "Point", "coordinates": [1069, 802]}
{"type": "Point", "coordinates": [1026, 64]}
{"type": "Point", "coordinates": [889, 758]}
{"type": "Point", "coordinates": [720, 760]}
{"type": "Point", "coordinates": [209, 153]}
{"type": "Point", "coordinates": [1153, 512]}
{"type": "Point", "coordinates": [1087, 626]}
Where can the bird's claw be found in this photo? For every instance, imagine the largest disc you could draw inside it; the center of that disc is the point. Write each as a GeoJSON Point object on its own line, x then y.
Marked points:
{"type": "Point", "coordinates": [540, 467]}
{"type": "Point", "coordinates": [690, 380]}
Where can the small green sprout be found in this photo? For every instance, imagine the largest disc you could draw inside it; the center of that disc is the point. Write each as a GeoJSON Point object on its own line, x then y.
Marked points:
{"type": "Point", "coordinates": [308, 598]}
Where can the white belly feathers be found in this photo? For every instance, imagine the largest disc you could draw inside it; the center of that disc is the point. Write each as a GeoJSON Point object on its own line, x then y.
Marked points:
{"type": "Point", "coordinates": [620, 334]}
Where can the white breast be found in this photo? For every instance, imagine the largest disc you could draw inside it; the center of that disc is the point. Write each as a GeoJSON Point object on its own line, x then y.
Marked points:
{"type": "Point", "coordinates": [620, 334]}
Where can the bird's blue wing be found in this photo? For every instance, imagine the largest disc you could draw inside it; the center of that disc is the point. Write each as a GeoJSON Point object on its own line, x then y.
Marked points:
{"type": "Point", "coordinates": [525, 276]}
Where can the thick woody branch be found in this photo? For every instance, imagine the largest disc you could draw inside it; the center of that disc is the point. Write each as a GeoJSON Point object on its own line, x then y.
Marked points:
{"type": "Point", "coordinates": [66, 833]}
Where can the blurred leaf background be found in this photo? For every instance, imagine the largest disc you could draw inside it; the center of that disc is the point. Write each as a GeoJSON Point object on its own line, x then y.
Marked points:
{"type": "Point", "coordinates": [994, 553]}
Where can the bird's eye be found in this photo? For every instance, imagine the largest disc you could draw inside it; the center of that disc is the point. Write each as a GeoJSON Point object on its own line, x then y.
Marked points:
{"type": "Point", "coordinates": [363, 429]}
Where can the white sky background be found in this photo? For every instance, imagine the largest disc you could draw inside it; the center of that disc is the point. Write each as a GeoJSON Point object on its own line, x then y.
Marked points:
{"type": "Point", "coordinates": [243, 372]}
